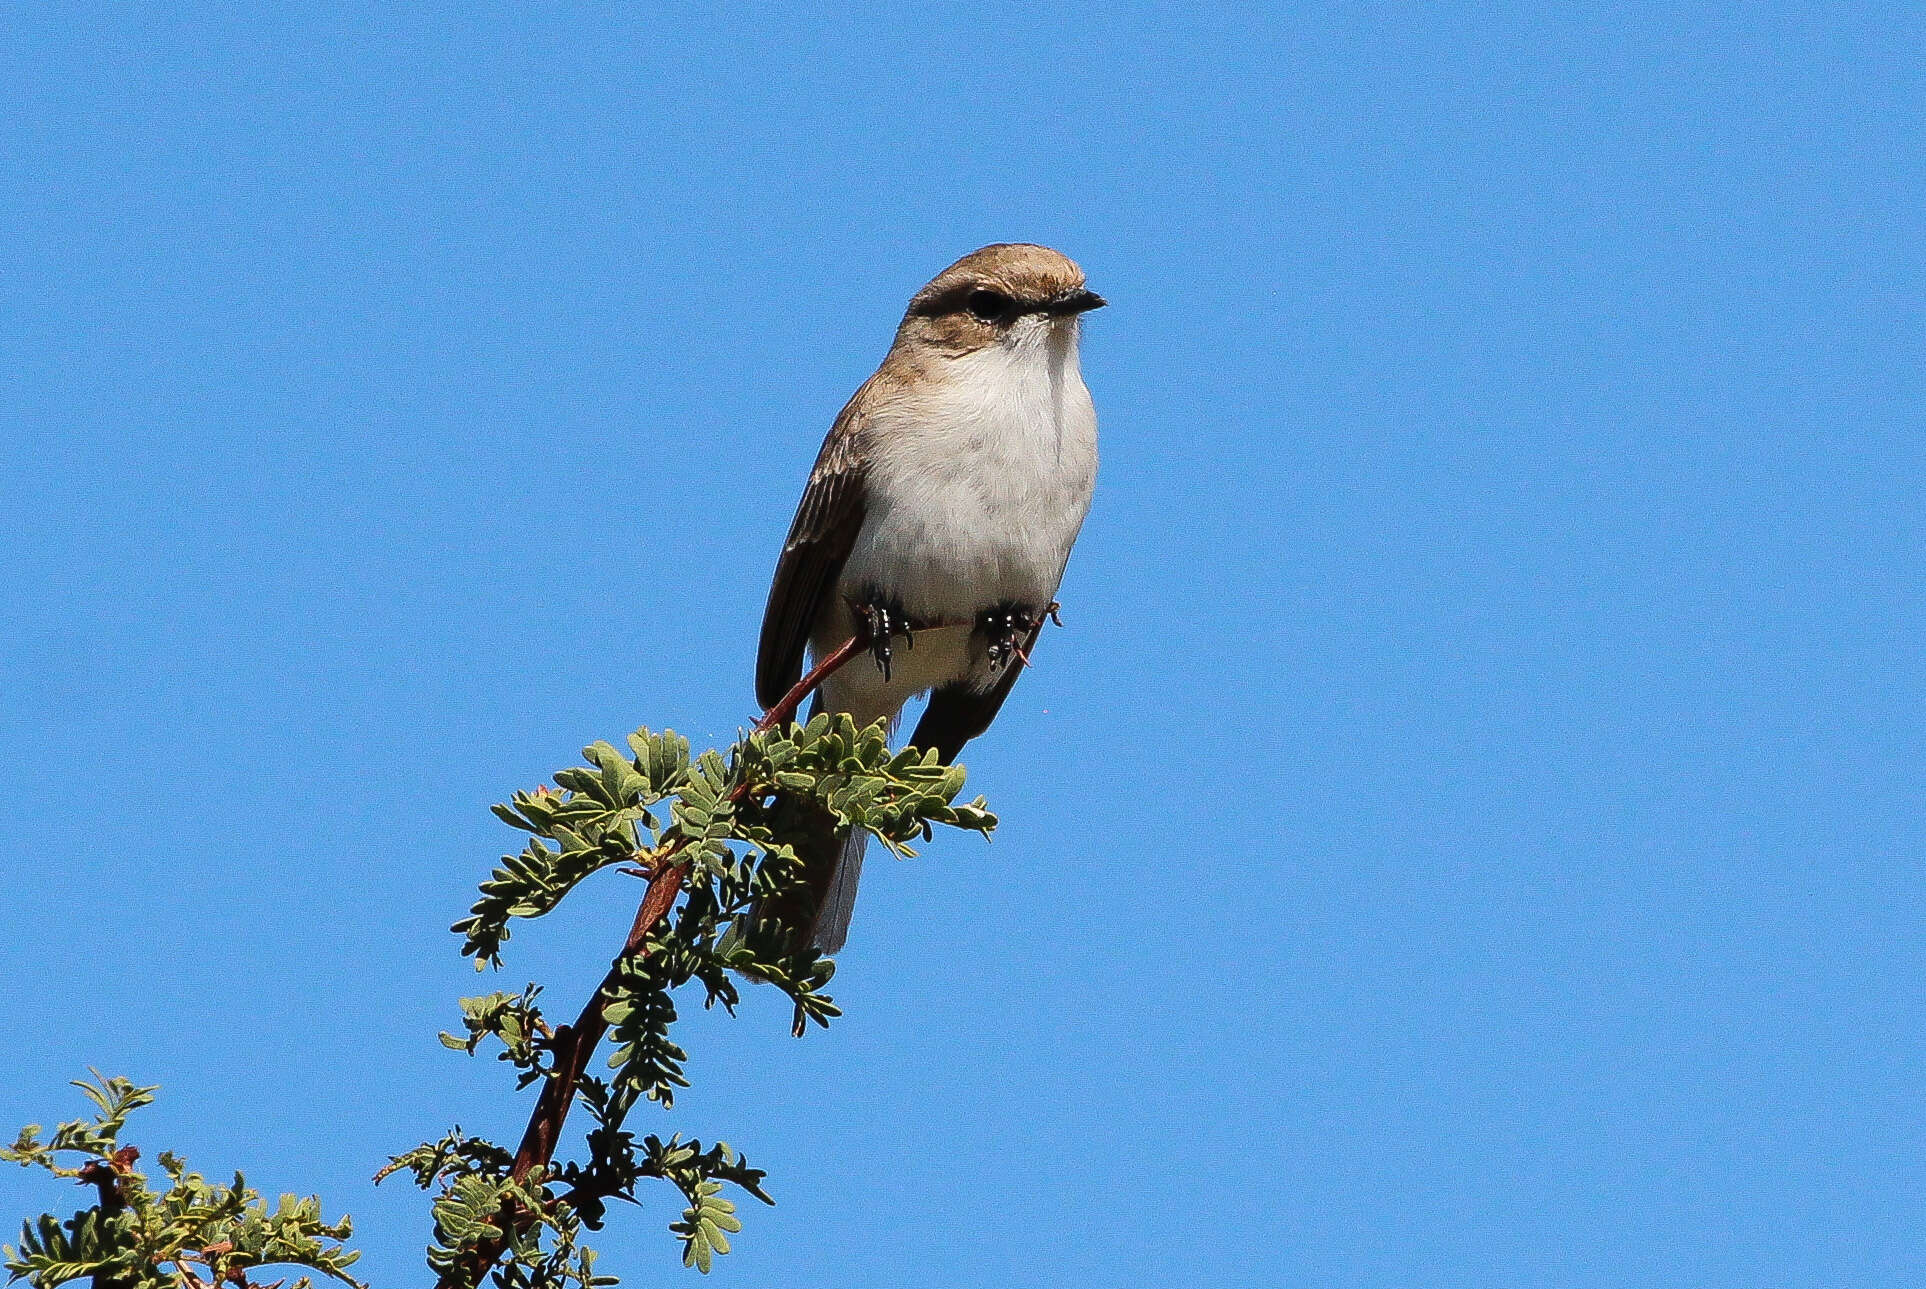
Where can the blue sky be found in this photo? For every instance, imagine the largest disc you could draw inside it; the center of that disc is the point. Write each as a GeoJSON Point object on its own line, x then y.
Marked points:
{"type": "Point", "coordinates": [1468, 832]}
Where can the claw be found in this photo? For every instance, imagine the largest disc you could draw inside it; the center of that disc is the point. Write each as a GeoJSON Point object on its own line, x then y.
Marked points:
{"type": "Point", "coordinates": [883, 624]}
{"type": "Point", "coordinates": [876, 623]}
{"type": "Point", "coordinates": [1006, 626]}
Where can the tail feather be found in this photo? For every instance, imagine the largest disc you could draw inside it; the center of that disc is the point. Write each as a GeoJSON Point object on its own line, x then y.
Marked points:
{"type": "Point", "coordinates": [838, 901]}
{"type": "Point", "coordinates": [817, 911]}
{"type": "Point", "coordinates": [832, 866]}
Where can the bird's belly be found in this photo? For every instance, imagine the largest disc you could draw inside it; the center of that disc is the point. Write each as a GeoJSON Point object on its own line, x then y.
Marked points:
{"type": "Point", "coordinates": [949, 557]}
{"type": "Point", "coordinates": [948, 535]}
{"type": "Point", "coordinates": [944, 555]}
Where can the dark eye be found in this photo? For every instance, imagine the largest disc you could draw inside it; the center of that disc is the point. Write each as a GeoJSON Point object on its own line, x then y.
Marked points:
{"type": "Point", "coordinates": [990, 306]}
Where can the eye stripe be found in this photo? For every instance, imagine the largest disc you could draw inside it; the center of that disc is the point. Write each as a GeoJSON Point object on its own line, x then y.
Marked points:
{"type": "Point", "coordinates": [954, 301]}
{"type": "Point", "coordinates": [990, 306]}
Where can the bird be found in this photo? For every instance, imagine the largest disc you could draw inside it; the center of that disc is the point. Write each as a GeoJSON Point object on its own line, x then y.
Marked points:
{"type": "Point", "coordinates": [944, 503]}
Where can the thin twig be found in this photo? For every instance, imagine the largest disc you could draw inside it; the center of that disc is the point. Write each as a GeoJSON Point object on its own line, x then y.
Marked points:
{"type": "Point", "coordinates": [785, 708]}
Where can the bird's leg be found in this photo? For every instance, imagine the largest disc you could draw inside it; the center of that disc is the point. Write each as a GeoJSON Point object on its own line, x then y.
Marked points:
{"type": "Point", "coordinates": [883, 619]}
{"type": "Point", "coordinates": [1006, 627]}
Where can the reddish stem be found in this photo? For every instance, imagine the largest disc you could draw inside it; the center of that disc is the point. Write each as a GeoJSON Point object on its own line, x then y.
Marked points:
{"type": "Point", "coordinates": [785, 710]}
{"type": "Point", "coordinates": [574, 1045]}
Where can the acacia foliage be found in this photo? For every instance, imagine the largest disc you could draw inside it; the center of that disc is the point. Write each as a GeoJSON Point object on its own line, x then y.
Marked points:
{"type": "Point", "coordinates": [724, 834]}
{"type": "Point", "coordinates": [187, 1234]}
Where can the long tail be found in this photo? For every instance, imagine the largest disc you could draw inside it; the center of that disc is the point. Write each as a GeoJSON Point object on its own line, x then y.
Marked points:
{"type": "Point", "coordinates": [836, 888]}
{"type": "Point", "coordinates": [832, 866]}
{"type": "Point", "coordinates": [838, 899]}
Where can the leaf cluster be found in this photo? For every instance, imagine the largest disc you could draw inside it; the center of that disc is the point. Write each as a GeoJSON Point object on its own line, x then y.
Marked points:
{"type": "Point", "coordinates": [188, 1234]}
{"type": "Point", "coordinates": [731, 831]}
{"type": "Point", "coordinates": [724, 839]}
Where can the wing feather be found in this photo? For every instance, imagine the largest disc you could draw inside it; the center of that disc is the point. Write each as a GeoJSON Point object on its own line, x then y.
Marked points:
{"type": "Point", "coordinates": [827, 521]}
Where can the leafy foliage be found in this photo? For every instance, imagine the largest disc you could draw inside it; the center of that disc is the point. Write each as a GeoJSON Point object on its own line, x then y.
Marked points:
{"type": "Point", "coordinates": [722, 840]}
{"type": "Point", "coordinates": [729, 830]}
{"type": "Point", "coordinates": [515, 1021]}
{"type": "Point", "coordinates": [191, 1234]}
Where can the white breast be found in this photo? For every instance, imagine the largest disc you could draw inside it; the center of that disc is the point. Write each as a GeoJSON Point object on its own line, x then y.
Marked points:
{"type": "Point", "coordinates": [976, 492]}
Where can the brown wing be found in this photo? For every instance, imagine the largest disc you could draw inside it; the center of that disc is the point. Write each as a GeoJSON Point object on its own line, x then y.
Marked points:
{"type": "Point", "coordinates": [826, 524]}
{"type": "Point", "coordinates": [957, 713]}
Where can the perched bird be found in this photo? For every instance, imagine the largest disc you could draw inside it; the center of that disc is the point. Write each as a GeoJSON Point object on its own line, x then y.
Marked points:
{"type": "Point", "coordinates": [949, 491]}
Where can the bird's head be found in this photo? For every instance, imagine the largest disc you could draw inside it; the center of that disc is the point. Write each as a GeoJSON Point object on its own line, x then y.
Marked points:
{"type": "Point", "coordinates": [1012, 294]}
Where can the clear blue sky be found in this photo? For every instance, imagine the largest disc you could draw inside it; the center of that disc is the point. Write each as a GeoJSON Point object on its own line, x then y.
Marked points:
{"type": "Point", "coordinates": [1468, 833]}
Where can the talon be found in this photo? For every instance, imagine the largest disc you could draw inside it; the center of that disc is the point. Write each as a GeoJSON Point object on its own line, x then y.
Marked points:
{"type": "Point", "coordinates": [883, 624]}
{"type": "Point", "coordinates": [1006, 626]}
{"type": "Point", "coordinates": [1051, 613]}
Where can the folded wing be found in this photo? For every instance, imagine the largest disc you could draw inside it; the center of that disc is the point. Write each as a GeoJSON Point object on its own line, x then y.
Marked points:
{"type": "Point", "coordinates": [827, 521]}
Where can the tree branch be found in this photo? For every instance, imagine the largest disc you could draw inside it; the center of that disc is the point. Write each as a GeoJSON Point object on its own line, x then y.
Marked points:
{"type": "Point", "coordinates": [105, 1175]}
{"type": "Point", "coordinates": [573, 1045]}
{"type": "Point", "coordinates": [785, 710]}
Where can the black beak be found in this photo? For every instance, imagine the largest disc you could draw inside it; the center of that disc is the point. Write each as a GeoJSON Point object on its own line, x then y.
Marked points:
{"type": "Point", "coordinates": [1073, 303]}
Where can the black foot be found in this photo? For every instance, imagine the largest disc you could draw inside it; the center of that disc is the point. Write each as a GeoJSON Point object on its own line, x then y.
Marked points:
{"type": "Point", "coordinates": [1006, 627]}
{"type": "Point", "coordinates": [883, 621]}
